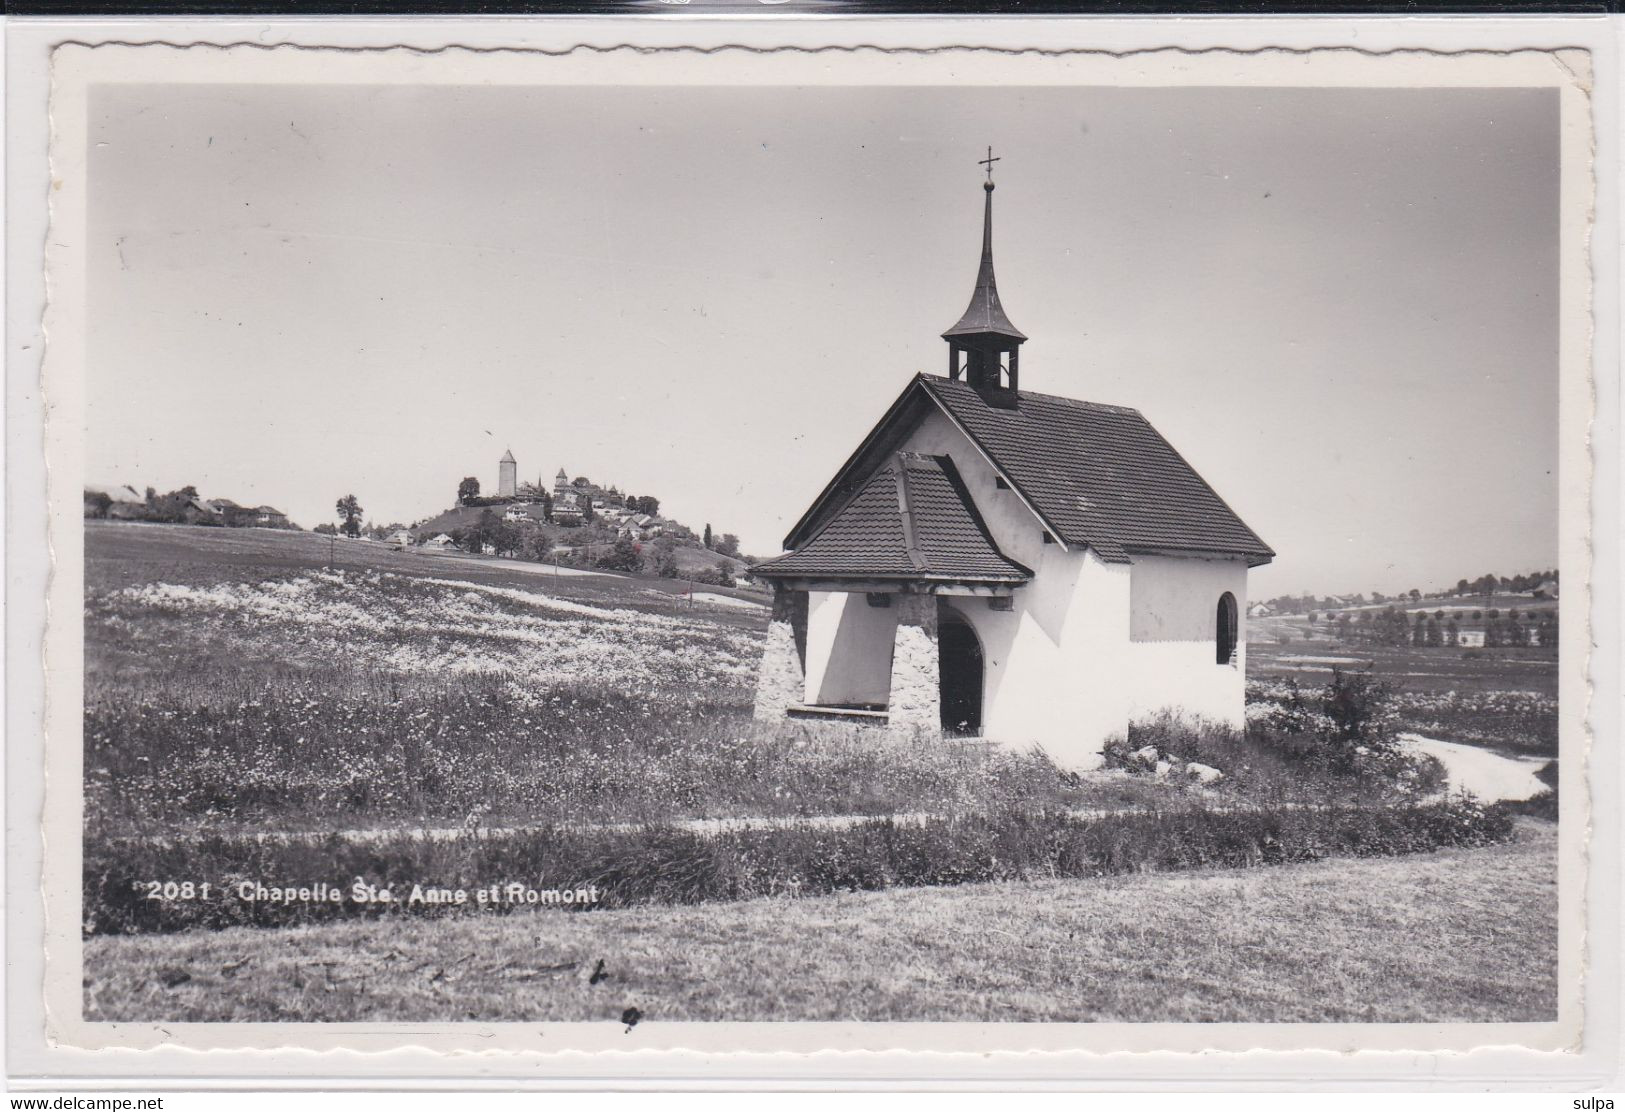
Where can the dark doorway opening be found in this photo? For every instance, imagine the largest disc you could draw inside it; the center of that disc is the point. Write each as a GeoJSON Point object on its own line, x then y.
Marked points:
{"type": "Point", "coordinates": [1227, 632]}
{"type": "Point", "coordinates": [959, 664]}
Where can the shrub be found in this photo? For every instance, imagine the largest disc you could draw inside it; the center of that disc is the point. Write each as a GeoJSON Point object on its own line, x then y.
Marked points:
{"type": "Point", "coordinates": [661, 865]}
{"type": "Point", "coordinates": [1349, 727]}
{"type": "Point", "coordinates": [1541, 805]}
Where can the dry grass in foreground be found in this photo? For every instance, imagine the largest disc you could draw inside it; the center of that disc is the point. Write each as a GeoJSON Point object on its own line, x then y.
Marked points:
{"type": "Point", "coordinates": [1456, 935]}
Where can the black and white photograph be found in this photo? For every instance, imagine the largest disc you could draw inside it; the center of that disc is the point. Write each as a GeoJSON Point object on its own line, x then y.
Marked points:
{"type": "Point", "coordinates": [1029, 553]}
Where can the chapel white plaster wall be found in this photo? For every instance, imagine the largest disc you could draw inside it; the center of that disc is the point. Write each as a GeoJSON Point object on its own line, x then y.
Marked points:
{"type": "Point", "coordinates": [849, 647]}
{"type": "Point", "coordinates": [1055, 670]}
{"type": "Point", "coordinates": [1171, 657]}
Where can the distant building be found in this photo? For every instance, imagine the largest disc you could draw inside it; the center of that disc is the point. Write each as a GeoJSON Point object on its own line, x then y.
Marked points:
{"type": "Point", "coordinates": [507, 475]}
{"type": "Point", "coordinates": [270, 517]}
{"type": "Point", "coordinates": [400, 537]}
{"type": "Point", "coordinates": [569, 506]}
{"type": "Point", "coordinates": [231, 514]}
{"type": "Point", "coordinates": [439, 541]}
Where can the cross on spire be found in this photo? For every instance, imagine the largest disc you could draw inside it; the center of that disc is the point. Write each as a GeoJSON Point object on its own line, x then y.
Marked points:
{"type": "Point", "coordinates": [988, 162]}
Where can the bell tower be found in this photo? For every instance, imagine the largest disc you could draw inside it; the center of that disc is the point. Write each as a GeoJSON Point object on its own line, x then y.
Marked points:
{"type": "Point", "coordinates": [984, 346]}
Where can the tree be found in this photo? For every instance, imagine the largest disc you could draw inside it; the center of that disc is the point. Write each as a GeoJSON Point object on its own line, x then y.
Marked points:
{"type": "Point", "coordinates": [1462, 586]}
{"type": "Point", "coordinates": [505, 538]}
{"type": "Point", "coordinates": [1434, 637]}
{"type": "Point", "coordinates": [468, 490]}
{"type": "Point", "coordinates": [1516, 634]}
{"type": "Point", "coordinates": [1416, 596]}
{"type": "Point", "coordinates": [728, 545]}
{"type": "Point", "coordinates": [707, 541]}
{"type": "Point", "coordinates": [623, 555]}
{"type": "Point", "coordinates": [350, 510]}
{"type": "Point", "coordinates": [666, 558]}
{"type": "Point", "coordinates": [326, 530]}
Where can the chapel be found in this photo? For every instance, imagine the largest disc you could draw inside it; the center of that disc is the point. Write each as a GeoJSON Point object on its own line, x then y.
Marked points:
{"type": "Point", "coordinates": [999, 562]}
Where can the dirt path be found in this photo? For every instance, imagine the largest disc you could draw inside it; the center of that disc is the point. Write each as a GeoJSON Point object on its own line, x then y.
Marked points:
{"type": "Point", "coordinates": [1487, 775]}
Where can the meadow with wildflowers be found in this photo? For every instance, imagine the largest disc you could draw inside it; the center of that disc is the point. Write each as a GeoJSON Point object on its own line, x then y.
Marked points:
{"type": "Point", "coordinates": [280, 710]}
{"type": "Point", "coordinates": [302, 698]}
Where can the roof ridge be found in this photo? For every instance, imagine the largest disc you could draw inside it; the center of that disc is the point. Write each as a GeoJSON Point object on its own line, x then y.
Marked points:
{"type": "Point", "coordinates": [905, 514]}
{"type": "Point", "coordinates": [1037, 395]}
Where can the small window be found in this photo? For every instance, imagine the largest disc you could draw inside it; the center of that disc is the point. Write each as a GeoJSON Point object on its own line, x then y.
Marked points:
{"type": "Point", "coordinates": [1048, 539]}
{"type": "Point", "coordinates": [999, 482]}
{"type": "Point", "coordinates": [1226, 633]}
{"type": "Point", "coordinates": [1001, 602]}
{"type": "Point", "coordinates": [880, 600]}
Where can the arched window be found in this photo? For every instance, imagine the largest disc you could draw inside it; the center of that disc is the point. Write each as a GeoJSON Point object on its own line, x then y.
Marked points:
{"type": "Point", "coordinates": [1225, 634]}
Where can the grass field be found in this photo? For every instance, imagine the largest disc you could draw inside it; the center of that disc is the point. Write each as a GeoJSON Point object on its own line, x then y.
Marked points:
{"type": "Point", "coordinates": [256, 679]}
{"type": "Point", "coordinates": [1455, 935]}
{"type": "Point", "coordinates": [1502, 699]}
{"type": "Point", "coordinates": [235, 681]}
{"type": "Point", "coordinates": [121, 554]}
{"type": "Point", "coordinates": [246, 681]}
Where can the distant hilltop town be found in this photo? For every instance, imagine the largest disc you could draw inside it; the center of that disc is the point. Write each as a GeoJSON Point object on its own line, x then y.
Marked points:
{"type": "Point", "coordinates": [180, 507]}
{"type": "Point", "coordinates": [573, 521]}
{"type": "Point", "coordinates": [569, 503]}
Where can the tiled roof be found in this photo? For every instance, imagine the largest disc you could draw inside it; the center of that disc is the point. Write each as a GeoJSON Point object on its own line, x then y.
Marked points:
{"type": "Point", "coordinates": [911, 519]}
{"type": "Point", "coordinates": [1100, 475]}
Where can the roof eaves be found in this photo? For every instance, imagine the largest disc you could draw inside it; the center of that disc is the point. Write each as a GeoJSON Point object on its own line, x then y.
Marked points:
{"type": "Point", "coordinates": [766, 568]}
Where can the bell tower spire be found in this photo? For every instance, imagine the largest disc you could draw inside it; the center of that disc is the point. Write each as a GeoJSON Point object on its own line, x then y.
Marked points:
{"type": "Point", "coordinates": [984, 345]}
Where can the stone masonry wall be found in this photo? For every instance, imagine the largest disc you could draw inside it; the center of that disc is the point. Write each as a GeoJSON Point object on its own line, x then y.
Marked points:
{"type": "Point", "coordinates": [916, 695]}
{"type": "Point", "coordinates": [781, 679]}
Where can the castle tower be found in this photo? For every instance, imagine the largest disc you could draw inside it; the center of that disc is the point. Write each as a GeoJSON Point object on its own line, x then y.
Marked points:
{"type": "Point", "coordinates": [507, 475]}
{"type": "Point", "coordinates": [561, 482]}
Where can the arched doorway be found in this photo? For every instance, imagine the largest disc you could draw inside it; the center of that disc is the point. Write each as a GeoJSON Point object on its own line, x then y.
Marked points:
{"type": "Point", "coordinates": [959, 666]}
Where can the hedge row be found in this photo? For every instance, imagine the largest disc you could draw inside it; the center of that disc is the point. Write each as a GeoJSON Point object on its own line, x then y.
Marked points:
{"type": "Point", "coordinates": [666, 866]}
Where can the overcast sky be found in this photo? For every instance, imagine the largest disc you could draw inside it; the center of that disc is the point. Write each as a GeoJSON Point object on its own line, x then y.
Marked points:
{"type": "Point", "coordinates": [1339, 305]}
